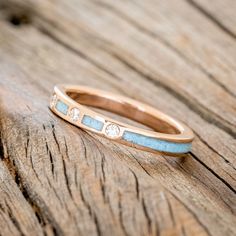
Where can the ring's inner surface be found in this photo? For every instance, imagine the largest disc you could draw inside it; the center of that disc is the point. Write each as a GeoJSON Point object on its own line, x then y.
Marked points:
{"type": "Point", "coordinates": [124, 109]}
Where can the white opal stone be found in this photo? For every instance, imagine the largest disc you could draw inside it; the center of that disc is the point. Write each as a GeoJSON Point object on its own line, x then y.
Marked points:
{"type": "Point", "coordinates": [112, 131]}
{"type": "Point", "coordinates": [74, 114]}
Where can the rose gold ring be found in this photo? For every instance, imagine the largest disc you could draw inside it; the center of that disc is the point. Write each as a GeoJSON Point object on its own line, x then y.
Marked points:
{"type": "Point", "coordinates": [167, 135]}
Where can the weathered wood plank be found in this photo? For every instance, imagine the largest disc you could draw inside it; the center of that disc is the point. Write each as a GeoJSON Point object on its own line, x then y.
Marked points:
{"type": "Point", "coordinates": [99, 192]}
{"type": "Point", "coordinates": [156, 65]}
{"type": "Point", "coordinates": [86, 185]}
{"type": "Point", "coordinates": [126, 76]}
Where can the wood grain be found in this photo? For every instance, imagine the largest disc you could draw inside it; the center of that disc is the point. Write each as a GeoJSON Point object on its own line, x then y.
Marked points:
{"type": "Point", "coordinates": [56, 179]}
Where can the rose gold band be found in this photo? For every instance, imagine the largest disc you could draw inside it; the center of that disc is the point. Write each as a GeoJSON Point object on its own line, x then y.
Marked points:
{"type": "Point", "coordinates": [71, 103]}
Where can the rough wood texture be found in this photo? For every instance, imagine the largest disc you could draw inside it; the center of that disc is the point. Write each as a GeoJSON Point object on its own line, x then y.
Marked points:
{"type": "Point", "coordinates": [176, 55]}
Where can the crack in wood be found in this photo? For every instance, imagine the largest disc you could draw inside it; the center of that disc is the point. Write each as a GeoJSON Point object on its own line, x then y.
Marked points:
{"type": "Point", "coordinates": [120, 214]}
{"type": "Point", "coordinates": [193, 214]}
{"type": "Point", "coordinates": [213, 172]}
{"type": "Point", "coordinates": [136, 184]}
{"type": "Point", "coordinates": [145, 210]}
{"type": "Point", "coordinates": [215, 151]}
{"type": "Point", "coordinates": [211, 17]}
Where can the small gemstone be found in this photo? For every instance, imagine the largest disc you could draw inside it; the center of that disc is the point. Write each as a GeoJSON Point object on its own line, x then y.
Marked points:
{"type": "Point", "coordinates": [112, 131]}
{"type": "Point", "coordinates": [53, 100]}
{"type": "Point", "coordinates": [74, 114]}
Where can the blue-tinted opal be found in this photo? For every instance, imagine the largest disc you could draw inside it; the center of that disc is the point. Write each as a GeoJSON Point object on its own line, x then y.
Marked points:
{"type": "Point", "coordinates": [92, 123]}
{"type": "Point", "coordinates": [62, 107]}
{"type": "Point", "coordinates": [156, 144]}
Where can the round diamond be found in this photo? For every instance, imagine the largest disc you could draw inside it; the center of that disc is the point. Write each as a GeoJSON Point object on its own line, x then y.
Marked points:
{"type": "Point", "coordinates": [53, 100]}
{"type": "Point", "coordinates": [112, 131]}
{"type": "Point", "coordinates": [74, 114]}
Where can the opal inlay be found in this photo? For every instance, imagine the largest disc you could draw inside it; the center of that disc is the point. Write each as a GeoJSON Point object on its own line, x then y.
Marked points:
{"type": "Point", "coordinates": [156, 144]}
{"type": "Point", "coordinates": [92, 123]}
{"type": "Point", "coordinates": [62, 107]}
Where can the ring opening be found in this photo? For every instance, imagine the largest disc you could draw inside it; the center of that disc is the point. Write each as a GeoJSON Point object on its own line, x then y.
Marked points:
{"type": "Point", "coordinates": [124, 109]}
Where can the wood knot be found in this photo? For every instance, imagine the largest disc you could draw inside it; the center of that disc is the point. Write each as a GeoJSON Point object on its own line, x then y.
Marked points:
{"type": "Point", "coordinates": [19, 19]}
{"type": "Point", "coordinates": [16, 14]}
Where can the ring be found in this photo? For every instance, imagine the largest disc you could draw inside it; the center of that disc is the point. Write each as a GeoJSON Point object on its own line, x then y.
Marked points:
{"type": "Point", "coordinates": [72, 103]}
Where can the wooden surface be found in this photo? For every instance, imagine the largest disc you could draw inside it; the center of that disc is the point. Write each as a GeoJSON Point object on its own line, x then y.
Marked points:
{"type": "Point", "coordinates": [178, 56]}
